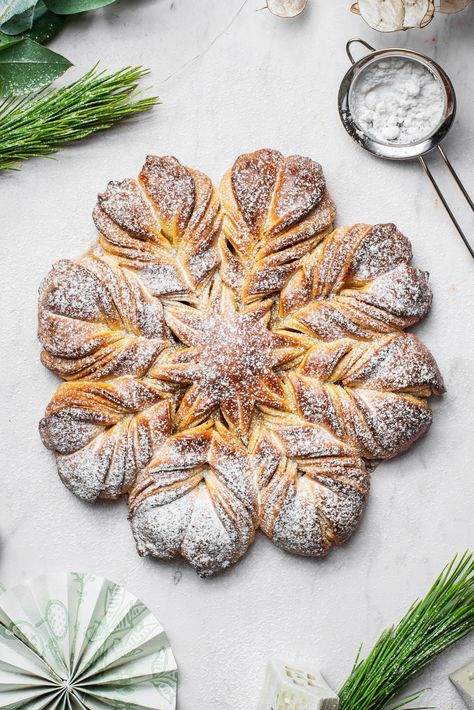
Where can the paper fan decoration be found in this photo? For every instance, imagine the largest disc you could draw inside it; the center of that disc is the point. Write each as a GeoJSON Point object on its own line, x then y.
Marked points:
{"type": "Point", "coordinates": [76, 641]}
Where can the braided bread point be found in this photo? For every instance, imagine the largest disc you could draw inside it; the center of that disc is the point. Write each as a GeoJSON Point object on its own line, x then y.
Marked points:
{"type": "Point", "coordinates": [312, 488]}
{"type": "Point", "coordinates": [163, 226]}
{"type": "Point", "coordinates": [275, 210]}
{"type": "Point", "coordinates": [197, 498]}
{"type": "Point", "coordinates": [97, 320]}
{"type": "Point", "coordinates": [232, 361]}
{"type": "Point", "coordinates": [104, 433]}
{"type": "Point", "coordinates": [371, 395]}
{"type": "Point", "coordinates": [357, 284]}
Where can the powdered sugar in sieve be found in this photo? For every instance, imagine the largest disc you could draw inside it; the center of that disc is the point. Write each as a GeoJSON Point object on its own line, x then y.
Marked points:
{"type": "Point", "coordinates": [397, 100]}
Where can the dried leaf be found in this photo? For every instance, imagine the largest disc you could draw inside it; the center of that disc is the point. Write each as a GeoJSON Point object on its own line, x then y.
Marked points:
{"type": "Point", "coordinates": [383, 15]}
{"type": "Point", "coordinates": [393, 15]}
{"type": "Point", "coordinates": [415, 12]}
{"type": "Point", "coordinates": [286, 8]}
{"type": "Point", "coordinates": [453, 5]}
{"type": "Point", "coordinates": [429, 15]}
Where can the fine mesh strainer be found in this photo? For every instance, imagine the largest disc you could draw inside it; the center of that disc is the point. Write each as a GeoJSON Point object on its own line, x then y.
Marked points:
{"type": "Point", "coordinates": [404, 151]}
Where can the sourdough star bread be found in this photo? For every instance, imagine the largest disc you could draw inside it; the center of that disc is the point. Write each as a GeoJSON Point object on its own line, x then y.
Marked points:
{"type": "Point", "coordinates": [232, 362]}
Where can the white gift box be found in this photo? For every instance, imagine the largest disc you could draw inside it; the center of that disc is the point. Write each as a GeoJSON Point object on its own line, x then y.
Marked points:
{"type": "Point", "coordinates": [289, 688]}
{"type": "Point", "coordinates": [463, 679]}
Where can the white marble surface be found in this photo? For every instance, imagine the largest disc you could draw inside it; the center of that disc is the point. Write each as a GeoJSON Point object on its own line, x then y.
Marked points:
{"type": "Point", "coordinates": [232, 79]}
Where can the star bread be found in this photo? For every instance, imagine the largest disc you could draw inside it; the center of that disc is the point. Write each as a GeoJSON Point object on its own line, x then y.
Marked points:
{"type": "Point", "coordinates": [231, 361]}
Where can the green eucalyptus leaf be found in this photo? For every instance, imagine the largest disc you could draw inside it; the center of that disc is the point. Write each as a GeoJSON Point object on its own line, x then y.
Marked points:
{"type": "Point", "coordinates": [10, 8]}
{"type": "Point", "coordinates": [70, 7]}
{"type": "Point", "coordinates": [26, 66]}
{"type": "Point", "coordinates": [8, 39]}
{"type": "Point", "coordinates": [19, 23]}
{"type": "Point", "coordinates": [46, 25]}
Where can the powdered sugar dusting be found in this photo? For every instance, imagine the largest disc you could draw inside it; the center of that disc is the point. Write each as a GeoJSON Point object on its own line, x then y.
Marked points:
{"type": "Point", "coordinates": [253, 180]}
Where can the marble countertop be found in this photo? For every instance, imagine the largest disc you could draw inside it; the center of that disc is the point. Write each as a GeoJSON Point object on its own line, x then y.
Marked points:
{"type": "Point", "coordinates": [232, 79]}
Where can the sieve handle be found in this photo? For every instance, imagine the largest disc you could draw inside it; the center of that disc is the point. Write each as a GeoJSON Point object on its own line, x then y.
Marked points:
{"type": "Point", "coordinates": [442, 197]}
{"type": "Point", "coordinates": [359, 41]}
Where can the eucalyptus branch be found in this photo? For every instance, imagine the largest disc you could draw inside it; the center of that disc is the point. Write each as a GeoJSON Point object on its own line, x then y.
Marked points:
{"type": "Point", "coordinates": [429, 627]}
{"type": "Point", "coordinates": [41, 123]}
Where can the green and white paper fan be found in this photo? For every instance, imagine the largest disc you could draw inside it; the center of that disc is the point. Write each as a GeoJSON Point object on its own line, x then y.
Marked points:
{"type": "Point", "coordinates": [75, 641]}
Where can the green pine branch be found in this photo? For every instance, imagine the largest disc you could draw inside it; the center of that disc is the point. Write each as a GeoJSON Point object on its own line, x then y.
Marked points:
{"type": "Point", "coordinates": [41, 123]}
{"type": "Point", "coordinates": [429, 627]}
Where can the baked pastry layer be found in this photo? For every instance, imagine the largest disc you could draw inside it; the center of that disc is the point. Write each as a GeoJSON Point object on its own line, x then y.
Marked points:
{"type": "Point", "coordinates": [232, 362]}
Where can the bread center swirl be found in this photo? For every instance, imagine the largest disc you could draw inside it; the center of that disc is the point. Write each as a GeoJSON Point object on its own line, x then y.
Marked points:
{"type": "Point", "coordinates": [228, 358]}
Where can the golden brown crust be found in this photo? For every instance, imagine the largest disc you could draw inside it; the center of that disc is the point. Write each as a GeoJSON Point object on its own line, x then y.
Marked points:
{"type": "Point", "coordinates": [232, 361]}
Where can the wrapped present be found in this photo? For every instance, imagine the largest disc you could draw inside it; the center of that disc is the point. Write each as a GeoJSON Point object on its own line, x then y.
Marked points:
{"type": "Point", "coordinates": [463, 679]}
{"type": "Point", "coordinates": [289, 688]}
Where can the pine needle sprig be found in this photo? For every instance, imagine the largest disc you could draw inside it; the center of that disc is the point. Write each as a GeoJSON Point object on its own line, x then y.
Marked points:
{"type": "Point", "coordinates": [431, 625]}
{"type": "Point", "coordinates": [41, 123]}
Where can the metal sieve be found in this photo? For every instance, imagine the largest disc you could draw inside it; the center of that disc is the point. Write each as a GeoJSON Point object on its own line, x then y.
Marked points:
{"type": "Point", "coordinates": [404, 151]}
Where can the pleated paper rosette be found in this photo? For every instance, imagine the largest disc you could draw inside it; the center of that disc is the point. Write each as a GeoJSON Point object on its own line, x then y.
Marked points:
{"type": "Point", "coordinates": [73, 641]}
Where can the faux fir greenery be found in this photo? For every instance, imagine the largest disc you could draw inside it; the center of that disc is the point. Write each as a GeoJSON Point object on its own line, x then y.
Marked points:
{"type": "Point", "coordinates": [39, 124]}
{"type": "Point", "coordinates": [35, 119]}
{"type": "Point", "coordinates": [430, 626]}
